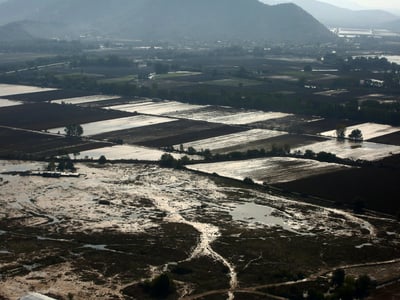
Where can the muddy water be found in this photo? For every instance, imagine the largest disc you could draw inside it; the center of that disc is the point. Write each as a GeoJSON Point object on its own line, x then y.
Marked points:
{"type": "Point", "coordinates": [164, 198]}
{"type": "Point", "coordinates": [208, 234]}
{"type": "Point", "coordinates": [178, 194]}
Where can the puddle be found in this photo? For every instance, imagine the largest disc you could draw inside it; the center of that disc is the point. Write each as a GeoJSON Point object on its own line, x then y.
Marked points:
{"type": "Point", "coordinates": [96, 247]}
{"type": "Point", "coordinates": [31, 267]}
{"type": "Point", "coordinates": [258, 214]}
{"type": "Point", "coordinates": [364, 245]}
{"type": "Point", "coordinates": [100, 248]}
{"type": "Point", "coordinates": [20, 166]}
{"type": "Point", "coordinates": [6, 103]}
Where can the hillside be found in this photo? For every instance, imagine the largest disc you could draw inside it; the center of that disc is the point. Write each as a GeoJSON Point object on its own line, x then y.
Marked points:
{"type": "Point", "coordinates": [394, 25]}
{"type": "Point", "coordinates": [168, 20]}
{"type": "Point", "coordinates": [335, 16]}
{"type": "Point", "coordinates": [14, 32]}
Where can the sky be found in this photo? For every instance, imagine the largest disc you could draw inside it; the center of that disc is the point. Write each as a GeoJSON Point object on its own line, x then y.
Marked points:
{"type": "Point", "coordinates": [376, 4]}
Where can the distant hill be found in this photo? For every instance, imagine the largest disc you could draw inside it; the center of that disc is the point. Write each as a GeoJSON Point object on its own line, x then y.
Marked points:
{"type": "Point", "coordinates": [394, 25]}
{"type": "Point", "coordinates": [168, 20]}
{"type": "Point", "coordinates": [20, 10]}
{"type": "Point", "coordinates": [335, 16]}
{"type": "Point", "coordinates": [14, 32]}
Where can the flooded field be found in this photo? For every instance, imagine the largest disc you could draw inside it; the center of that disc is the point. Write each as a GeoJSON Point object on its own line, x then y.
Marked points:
{"type": "Point", "coordinates": [369, 130]}
{"type": "Point", "coordinates": [11, 89]}
{"type": "Point", "coordinates": [353, 150]}
{"type": "Point", "coordinates": [128, 152]}
{"type": "Point", "coordinates": [225, 141]}
{"type": "Point", "coordinates": [102, 234]}
{"type": "Point", "coordinates": [146, 219]}
{"type": "Point", "coordinates": [5, 103]}
{"type": "Point", "coordinates": [269, 170]}
{"type": "Point", "coordinates": [155, 107]}
{"type": "Point", "coordinates": [170, 133]}
{"type": "Point", "coordinates": [116, 124]}
{"type": "Point", "coordinates": [85, 99]}
{"type": "Point", "coordinates": [229, 116]}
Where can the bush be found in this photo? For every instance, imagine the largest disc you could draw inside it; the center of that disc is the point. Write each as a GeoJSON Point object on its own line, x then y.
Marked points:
{"type": "Point", "coordinates": [102, 160]}
{"type": "Point", "coordinates": [338, 277]}
{"type": "Point", "coordinates": [161, 286]}
{"type": "Point", "coordinates": [248, 180]}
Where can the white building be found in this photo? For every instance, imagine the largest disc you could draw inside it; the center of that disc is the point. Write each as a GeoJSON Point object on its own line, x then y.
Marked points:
{"type": "Point", "coordinates": [35, 296]}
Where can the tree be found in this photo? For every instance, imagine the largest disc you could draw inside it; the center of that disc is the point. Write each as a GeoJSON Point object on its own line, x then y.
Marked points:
{"type": "Point", "coordinates": [326, 156]}
{"type": "Point", "coordinates": [168, 161]}
{"type": "Point", "coordinates": [191, 151]}
{"type": "Point", "coordinates": [73, 130]}
{"type": "Point", "coordinates": [307, 68]}
{"type": "Point", "coordinates": [61, 166]}
{"type": "Point", "coordinates": [338, 277]}
{"type": "Point", "coordinates": [248, 180]}
{"type": "Point", "coordinates": [356, 135]}
{"type": "Point", "coordinates": [160, 287]}
{"type": "Point", "coordinates": [69, 165]}
{"type": "Point", "coordinates": [309, 154]}
{"type": "Point", "coordinates": [364, 285]}
{"type": "Point", "coordinates": [341, 131]}
{"type": "Point", "coordinates": [65, 163]}
{"type": "Point", "coordinates": [102, 160]}
{"type": "Point", "coordinates": [51, 166]}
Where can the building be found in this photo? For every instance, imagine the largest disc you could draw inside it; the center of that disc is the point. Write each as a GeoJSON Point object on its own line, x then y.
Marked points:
{"type": "Point", "coordinates": [35, 296]}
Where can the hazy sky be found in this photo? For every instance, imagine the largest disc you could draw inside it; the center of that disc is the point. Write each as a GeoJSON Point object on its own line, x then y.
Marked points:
{"type": "Point", "coordinates": [380, 4]}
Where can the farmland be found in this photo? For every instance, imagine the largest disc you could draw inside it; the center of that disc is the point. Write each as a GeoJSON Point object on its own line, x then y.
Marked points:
{"type": "Point", "coordinates": [7, 89]}
{"type": "Point", "coordinates": [5, 102]}
{"type": "Point", "coordinates": [161, 124]}
{"type": "Point", "coordinates": [269, 170]}
{"type": "Point", "coordinates": [222, 171]}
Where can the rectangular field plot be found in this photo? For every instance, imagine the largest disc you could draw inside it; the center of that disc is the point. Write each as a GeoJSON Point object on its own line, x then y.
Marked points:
{"type": "Point", "coordinates": [369, 130]}
{"type": "Point", "coordinates": [170, 133]}
{"type": "Point", "coordinates": [352, 150]}
{"type": "Point", "coordinates": [13, 141]}
{"type": "Point", "coordinates": [155, 107]}
{"type": "Point", "coordinates": [233, 82]}
{"type": "Point", "coordinates": [85, 99]}
{"type": "Point", "coordinates": [41, 116]}
{"type": "Point", "coordinates": [49, 95]}
{"type": "Point", "coordinates": [6, 103]}
{"type": "Point", "coordinates": [117, 124]}
{"type": "Point", "coordinates": [270, 170]}
{"type": "Point", "coordinates": [287, 140]}
{"type": "Point", "coordinates": [125, 152]}
{"type": "Point", "coordinates": [219, 143]}
{"type": "Point", "coordinates": [321, 125]}
{"type": "Point", "coordinates": [389, 139]}
{"type": "Point", "coordinates": [229, 116]}
{"type": "Point", "coordinates": [11, 89]}
{"type": "Point", "coordinates": [289, 123]}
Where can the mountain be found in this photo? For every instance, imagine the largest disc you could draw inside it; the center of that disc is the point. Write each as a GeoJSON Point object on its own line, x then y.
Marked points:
{"type": "Point", "coordinates": [394, 25]}
{"type": "Point", "coordinates": [335, 16]}
{"type": "Point", "coordinates": [167, 20]}
{"type": "Point", "coordinates": [14, 32]}
{"type": "Point", "coordinates": [16, 10]}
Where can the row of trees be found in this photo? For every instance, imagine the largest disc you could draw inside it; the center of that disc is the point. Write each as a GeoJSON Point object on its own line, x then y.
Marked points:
{"type": "Point", "coordinates": [355, 134]}
{"type": "Point", "coordinates": [348, 288]}
{"type": "Point", "coordinates": [254, 98]}
{"type": "Point", "coordinates": [64, 164]}
{"type": "Point", "coordinates": [168, 160]}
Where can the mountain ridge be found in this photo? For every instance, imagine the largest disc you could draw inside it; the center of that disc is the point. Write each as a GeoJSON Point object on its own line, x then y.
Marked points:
{"type": "Point", "coordinates": [173, 19]}
{"type": "Point", "coordinates": [336, 16]}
